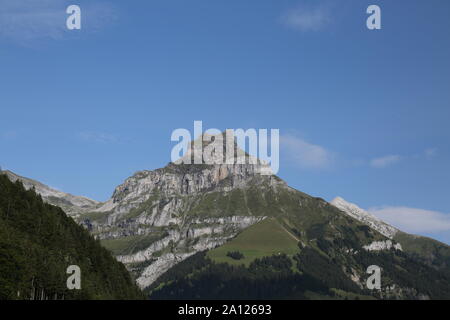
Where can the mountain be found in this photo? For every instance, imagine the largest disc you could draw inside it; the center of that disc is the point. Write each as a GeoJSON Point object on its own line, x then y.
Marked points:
{"type": "Point", "coordinates": [428, 250]}
{"type": "Point", "coordinates": [158, 218]}
{"type": "Point", "coordinates": [161, 223]}
{"type": "Point", "coordinates": [231, 231]}
{"type": "Point", "coordinates": [72, 205]}
{"type": "Point", "coordinates": [38, 243]}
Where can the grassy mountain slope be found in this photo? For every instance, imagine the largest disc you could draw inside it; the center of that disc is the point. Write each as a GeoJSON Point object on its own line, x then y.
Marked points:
{"type": "Point", "coordinates": [430, 251]}
{"type": "Point", "coordinates": [37, 244]}
{"type": "Point", "coordinates": [309, 274]}
{"type": "Point", "coordinates": [263, 239]}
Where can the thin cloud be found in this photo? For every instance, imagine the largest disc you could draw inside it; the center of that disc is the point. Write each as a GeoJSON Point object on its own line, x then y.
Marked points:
{"type": "Point", "coordinates": [25, 21]}
{"type": "Point", "coordinates": [385, 161]}
{"type": "Point", "coordinates": [413, 220]}
{"type": "Point", "coordinates": [307, 18]}
{"type": "Point", "coordinates": [389, 160]}
{"type": "Point", "coordinates": [305, 154]}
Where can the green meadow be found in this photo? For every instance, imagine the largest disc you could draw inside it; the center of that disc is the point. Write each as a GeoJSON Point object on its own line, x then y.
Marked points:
{"type": "Point", "coordinates": [265, 238]}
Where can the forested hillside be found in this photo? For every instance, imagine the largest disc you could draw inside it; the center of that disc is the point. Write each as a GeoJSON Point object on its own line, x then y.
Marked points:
{"type": "Point", "coordinates": [266, 261]}
{"type": "Point", "coordinates": [38, 242]}
{"type": "Point", "coordinates": [310, 274]}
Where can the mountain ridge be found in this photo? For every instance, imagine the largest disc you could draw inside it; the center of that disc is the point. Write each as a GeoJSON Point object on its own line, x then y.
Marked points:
{"type": "Point", "coordinates": [72, 205]}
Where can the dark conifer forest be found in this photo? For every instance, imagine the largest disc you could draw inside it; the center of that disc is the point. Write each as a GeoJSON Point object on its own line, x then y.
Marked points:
{"type": "Point", "coordinates": [38, 242]}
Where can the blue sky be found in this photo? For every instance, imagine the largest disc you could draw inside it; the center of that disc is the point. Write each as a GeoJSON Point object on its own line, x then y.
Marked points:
{"type": "Point", "coordinates": [363, 114]}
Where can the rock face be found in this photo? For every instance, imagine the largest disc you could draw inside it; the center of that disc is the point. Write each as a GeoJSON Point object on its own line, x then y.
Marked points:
{"type": "Point", "coordinates": [174, 182]}
{"type": "Point", "coordinates": [363, 216]}
{"type": "Point", "coordinates": [72, 205]}
{"type": "Point", "coordinates": [383, 245]}
{"type": "Point", "coordinates": [164, 202]}
{"type": "Point", "coordinates": [203, 239]}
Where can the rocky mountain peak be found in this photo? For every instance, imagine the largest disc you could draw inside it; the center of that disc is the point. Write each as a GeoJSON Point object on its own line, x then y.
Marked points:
{"type": "Point", "coordinates": [217, 171]}
{"type": "Point", "coordinates": [221, 148]}
{"type": "Point", "coordinates": [365, 217]}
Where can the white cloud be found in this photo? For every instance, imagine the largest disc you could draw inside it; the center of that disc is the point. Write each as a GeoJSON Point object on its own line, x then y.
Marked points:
{"type": "Point", "coordinates": [413, 220]}
{"type": "Point", "coordinates": [98, 137]}
{"type": "Point", "coordinates": [23, 21]}
{"type": "Point", "coordinates": [307, 19]}
{"type": "Point", "coordinates": [385, 161]}
{"type": "Point", "coordinates": [305, 154]}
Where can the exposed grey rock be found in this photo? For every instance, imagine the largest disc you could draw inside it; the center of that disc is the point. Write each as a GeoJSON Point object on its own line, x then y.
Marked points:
{"type": "Point", "coordinates": [383, 245]}
{"type": "Point", "coordinates": [72, 205]}
{"type": "Point", "coordinates": [363, 216]}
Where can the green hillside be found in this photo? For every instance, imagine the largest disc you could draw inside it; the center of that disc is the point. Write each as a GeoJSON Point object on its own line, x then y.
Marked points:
{"type": "Point", "coordinates": [430, 251]}
{"type": "Point", "coordinates": [265, 238]}
{"type": "Point", "coordinates": [37, 244]}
